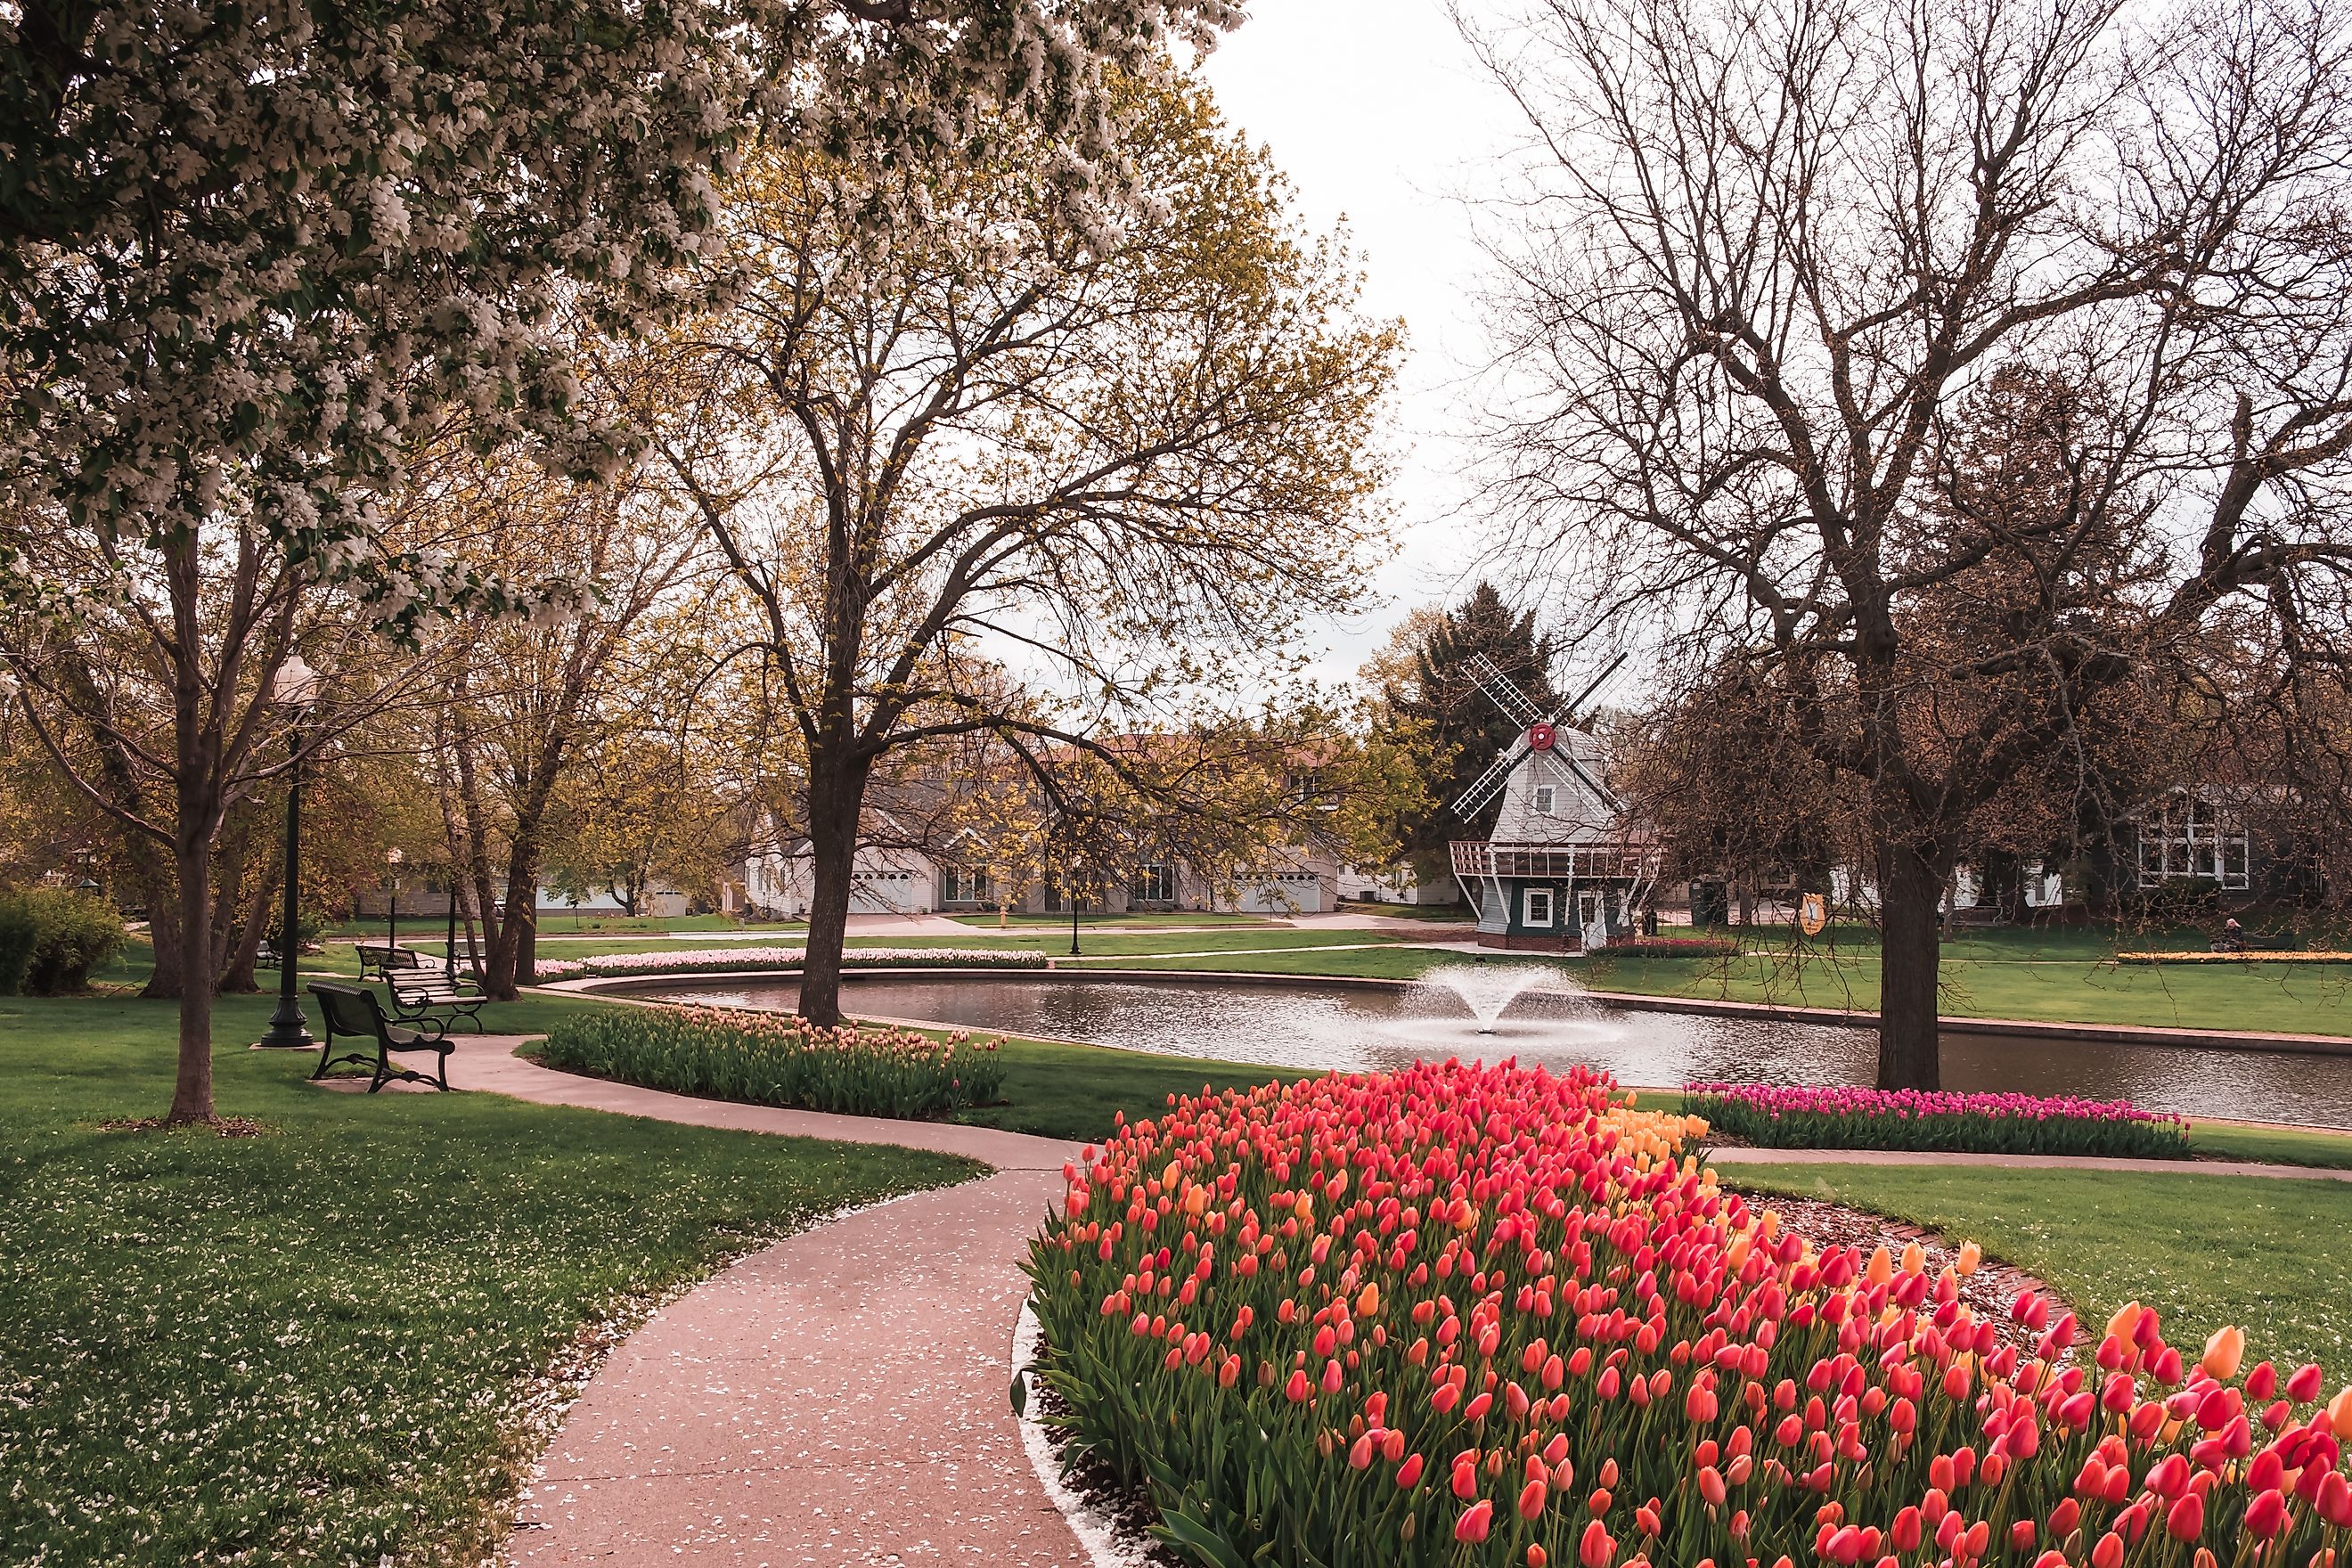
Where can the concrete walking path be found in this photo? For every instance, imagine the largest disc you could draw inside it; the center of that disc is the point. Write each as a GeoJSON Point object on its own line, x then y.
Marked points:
{"type": "Point", "coordinates": [841, 1397]}
{"type": "Point", "coordinates": [838, 1398]}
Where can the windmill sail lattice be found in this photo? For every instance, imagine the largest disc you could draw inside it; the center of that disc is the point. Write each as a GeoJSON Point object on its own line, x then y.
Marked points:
{"type": "Point", "coordinates": [1538, 728]}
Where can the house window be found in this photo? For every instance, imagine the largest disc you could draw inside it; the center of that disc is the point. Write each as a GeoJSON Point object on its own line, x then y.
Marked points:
{"type": "Point", "coordinates": [2186, 837]}
{"type": "Point", "coordinates": [1536, 906]}
{"type": "Point", "coordinates": [968, 887]}
{"type": "Point", "coordinates": [1155, 883]}
{"type": "Point", "coordinates": [1588, 909]}
{"type": "Point", "coordinates": [1543, 800]}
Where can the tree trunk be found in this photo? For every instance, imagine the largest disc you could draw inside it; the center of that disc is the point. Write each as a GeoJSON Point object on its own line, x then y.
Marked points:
{"type": "Point", "coordinates": [1910, 885]}
{"type": "Point", "coordinates": [161, 891]}
{"type": "Point", "coordinates": [837, 798]}
{"type": "Point", "coordinates": [192, 1094]}
{"type": "Point", "coordinates": [237, 973]}
{"type": "Point", "coordinates": [514, 947]}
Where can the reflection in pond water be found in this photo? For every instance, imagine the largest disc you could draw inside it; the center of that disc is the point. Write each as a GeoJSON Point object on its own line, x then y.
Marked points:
{"type": "Point", "coordinates": [1373, 1026]}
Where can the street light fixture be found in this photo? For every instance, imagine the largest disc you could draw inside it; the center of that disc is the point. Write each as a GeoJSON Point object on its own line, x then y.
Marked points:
{"type": "Point", "coordinates": [294, 689]}
{"type": "Point", "coordinates": [391, 858]}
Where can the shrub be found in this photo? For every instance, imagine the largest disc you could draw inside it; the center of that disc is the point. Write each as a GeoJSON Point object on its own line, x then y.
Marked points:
{"type": "Point", "coordinates": [51, 938]}
{"type": "Point", "coordinates": [766, 1058]}
{"type": "Point", "coordinates": [1780, 1117]}
{"type": "Point", "coordinates": [1486, 1316]}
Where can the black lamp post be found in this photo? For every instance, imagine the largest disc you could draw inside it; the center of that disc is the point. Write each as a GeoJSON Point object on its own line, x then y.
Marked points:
{"type": "Point", "coordinates": [392, 859]}
{"type": "Point", "coordinates": [295, 688]}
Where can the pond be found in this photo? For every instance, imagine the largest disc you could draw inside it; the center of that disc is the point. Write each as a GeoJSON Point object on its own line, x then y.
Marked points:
{"type": "Point", "coordinates": [1552, 1023]}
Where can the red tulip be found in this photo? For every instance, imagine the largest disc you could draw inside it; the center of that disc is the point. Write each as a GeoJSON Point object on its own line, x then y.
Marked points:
{"type": "Point", "coordinates": [1531, 1498]}
{"type": "Point", "coordinates": [2267, 1515]}
{"type": "Point", "coordinates": [1594, 1549]}
{"type": "Point", "coordinates": [2185, 1520]}
{"type": "Point", "coordinates": [1408, 1474]}
{"type": "Point", "coordinates": [1474, 1521]}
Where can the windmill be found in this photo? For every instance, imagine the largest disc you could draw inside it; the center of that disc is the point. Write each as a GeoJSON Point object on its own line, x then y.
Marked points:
{"type": "Point", "coordinates": [1539, 732]}
{"type": "Point", "coordinates": [1559, 871]}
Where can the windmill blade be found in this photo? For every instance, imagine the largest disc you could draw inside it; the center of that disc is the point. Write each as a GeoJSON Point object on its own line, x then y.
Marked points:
{"type": "Point", "coordinates": [1599, 789]}
{"type": "Point", "coordinates": [1503, 692]}
{"type": "Point", "coordinates": [1484, 788]}
{"type": "Point", "coordinates": [1567, 712]}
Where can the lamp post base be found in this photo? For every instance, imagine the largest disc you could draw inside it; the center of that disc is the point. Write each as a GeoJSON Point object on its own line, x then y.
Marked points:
{"type": "Point", "coordinates": [288, 1030]}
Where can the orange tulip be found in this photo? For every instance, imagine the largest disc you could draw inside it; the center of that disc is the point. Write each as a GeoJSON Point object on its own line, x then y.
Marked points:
{"type": "Point", "coordinates": [2126, 1319]}
{"type": "Point", "coordinates": [2339, 1414]}
{"type": "Point", "coordinates": [1970, 1255]}
{"type": "Point", "coordinates": [2223, 1351]}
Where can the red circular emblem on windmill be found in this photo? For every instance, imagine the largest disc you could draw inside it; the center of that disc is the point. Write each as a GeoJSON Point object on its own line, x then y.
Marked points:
{"type": "Point", "coordinates": [1539, 736]}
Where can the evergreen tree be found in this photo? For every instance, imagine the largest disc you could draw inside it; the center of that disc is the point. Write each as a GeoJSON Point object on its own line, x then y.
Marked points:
{"type": "Point", "coordinates": [1467, 730]}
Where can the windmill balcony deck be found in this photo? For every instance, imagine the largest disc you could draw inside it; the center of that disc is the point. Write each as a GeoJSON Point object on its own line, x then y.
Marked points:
{"type": "Point", "coordinates": [1551, 862]}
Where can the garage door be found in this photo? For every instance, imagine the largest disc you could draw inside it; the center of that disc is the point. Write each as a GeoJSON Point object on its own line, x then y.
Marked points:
{"type": "Point", "coordinates": [886, 893]}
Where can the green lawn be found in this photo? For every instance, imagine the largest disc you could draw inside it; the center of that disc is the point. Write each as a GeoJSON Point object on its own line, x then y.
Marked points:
{"type": "Point", "coordinates": [313, 1346]}
{"type": "Point", "coordinates": [2267, 1256]}
{"type": "Point", "coordinates": [2063, 975]}
{"type": "Point", "coordinates": [415, 926]}
{"type": "Point", "coordinates": [1072, 1091]}
{"type": "Point", "coordinates": [1139, 917]}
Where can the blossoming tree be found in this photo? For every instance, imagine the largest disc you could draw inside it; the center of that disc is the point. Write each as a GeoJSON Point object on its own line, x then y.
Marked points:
{"type": "Point", "coordinates": [254, 252]}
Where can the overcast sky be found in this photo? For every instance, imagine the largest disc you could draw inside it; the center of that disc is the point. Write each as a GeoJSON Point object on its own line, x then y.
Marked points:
{"type": "Point", "coordinates": [1377, 111]}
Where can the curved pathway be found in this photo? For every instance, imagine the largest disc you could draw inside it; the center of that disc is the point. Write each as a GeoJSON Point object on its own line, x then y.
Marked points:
{"type": "Point", "coordinates": [842, 1398]}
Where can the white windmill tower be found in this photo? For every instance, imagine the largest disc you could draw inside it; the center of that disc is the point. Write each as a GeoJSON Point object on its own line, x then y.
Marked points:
{"type": "Point", "coordinates": [1561, 870]}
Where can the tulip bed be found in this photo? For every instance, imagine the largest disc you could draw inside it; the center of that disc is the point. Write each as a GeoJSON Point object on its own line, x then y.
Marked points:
{"type": "Point", "coordinates": [1484, 1315]}
{"type": "Point", "coordinates": [1782, 1117]}
{"type": "Point", "coordinates": [766, 1058]}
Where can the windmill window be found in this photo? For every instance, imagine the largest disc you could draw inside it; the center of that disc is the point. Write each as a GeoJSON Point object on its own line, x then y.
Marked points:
{"type": "Point", "coordinates": [1536, 905]}
{"type": "Point", "coordinates": [1543, 800]}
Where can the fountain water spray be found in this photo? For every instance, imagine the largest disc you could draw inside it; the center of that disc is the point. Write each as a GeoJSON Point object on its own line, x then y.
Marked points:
{"type": "Point", "coordinates": [1487, 989]}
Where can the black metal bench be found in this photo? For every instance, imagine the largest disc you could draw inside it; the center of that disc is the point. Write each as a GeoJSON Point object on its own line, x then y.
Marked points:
{"type": "Point", "coordinates": [429, 997]}
{"type": "Point", "coordinates": [384, 960]}
{"type": "Point", "coordinates": [354, 1012]}
{"type": "Point", "coordinates": [419, 995]}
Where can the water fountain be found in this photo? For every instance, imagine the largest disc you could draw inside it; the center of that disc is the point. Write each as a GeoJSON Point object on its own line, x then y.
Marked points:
{"type": "Point", "coordinates": [1487, 989]}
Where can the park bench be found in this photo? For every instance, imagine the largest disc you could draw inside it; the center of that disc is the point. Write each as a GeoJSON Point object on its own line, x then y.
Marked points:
{"type": "Point", "coordinates": [431, 997]}
{"type": "Point", "coordinates": [422, 993]}
{"type": "Point", "coordinates": [382, 959]}
{"type": "Point", "coordinates": [352, 1011]}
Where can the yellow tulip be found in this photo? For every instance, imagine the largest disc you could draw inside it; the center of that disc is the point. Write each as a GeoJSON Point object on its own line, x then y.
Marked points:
{"type": "Point", "coordinates": [2340, 1414]}
{"type": "Point", "coordinates": [1970, 1255]}
{"type": "Point", "coordinates": [2223, 1351]}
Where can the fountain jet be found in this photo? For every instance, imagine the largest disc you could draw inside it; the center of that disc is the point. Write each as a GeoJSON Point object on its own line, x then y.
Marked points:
{"type": "Point", "coordinates": [1487, 989]}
